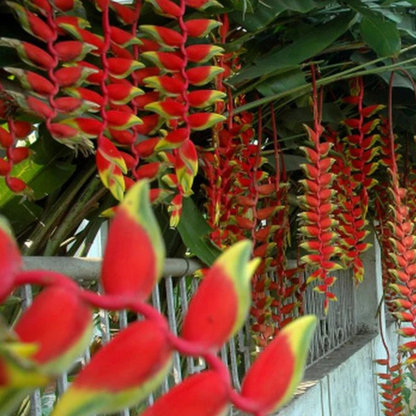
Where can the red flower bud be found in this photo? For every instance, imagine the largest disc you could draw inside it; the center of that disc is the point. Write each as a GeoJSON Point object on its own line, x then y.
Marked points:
{"type": "Point", "coordinates": [16, 185]}
{"type": "Point", "coordinates": [72, 50]}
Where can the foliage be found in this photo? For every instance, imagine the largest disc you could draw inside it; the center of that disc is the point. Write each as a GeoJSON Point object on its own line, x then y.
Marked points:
{"type": "Point", "coordinates": [210, 101]}
{"type": "Point", "coordinates": [56, 328]}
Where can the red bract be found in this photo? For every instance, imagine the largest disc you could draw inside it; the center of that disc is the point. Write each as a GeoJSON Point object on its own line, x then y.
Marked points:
{"type": "Point", "coordinates": [121, 374]}
{"type": "Point", "coordinates": [204, 394]}
{"type": "Point", "coordinates": [200, 27]}
{"type": "Point", "coordinates": [32, 81]}
{"type": "Point", "coordinates": [123, 271]}
{"type": "Point", "coordinates": [72, 50]}
{"type": "Point", "coordinates": [10, 260]}
{"type": "Point", "coordinates": [60, 324]}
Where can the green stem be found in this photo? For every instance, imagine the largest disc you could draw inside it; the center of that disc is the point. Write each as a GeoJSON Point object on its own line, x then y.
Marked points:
{"type": "Point", "coordinates": [51, 217]}
{"type": "Point", "coordinates": [82, 205]}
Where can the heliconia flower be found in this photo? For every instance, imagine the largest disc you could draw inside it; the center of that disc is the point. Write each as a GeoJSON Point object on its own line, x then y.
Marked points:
{"type": "Point", "coordinates": [168, 109]}
{"type": "Point", "coordinates": [121, 374]}
{"type": "Point", "coordinates": [142, 101]}
{"type": "Point", "coordinates": [64, 5]}
{"type": "Point", "coordinates": [30, 54]}
{"type": "Point", "coordinates": [204, 394]}
{"type": "Point", "coordinates": [16, 185]}
{"type": "Point", "coordinates": [123, 38]}
{"type": "Point", "coordinates": [201, 75]}
{"type": "Point", "coordinates": [60, 324]}
{"type": "Point", "coordinates": [85, 36]}
{"type": "Point", "coordinates": [22, 129]}
{"type": "Point", "coordinates": [175, 210]}
{"type": "Point", "coordinates": [202, 121]}
{"type": "Point", "coordinates": [119, 120]}
{"type": "Point", "coordinates": [139, 273]}
{"type": "Point", "coordinates": [222, 301]}
{"type": "Point", "coordinates": [91, 127]}
{"type": "Point", "coordinates": [6, 139]}
{"type": "Point", "coordinates": [71, 137]}
{"type": "Point", "coordinates": [166, 8]}
{"type": "Point", "coordinates": [170, 180]}
{"type": "Point", "coordinates": [158, 195]}
{"type": "Point", "coordinates": [110, 174]}
{"type": "Point", "coordinates": [184, 175]}
{"type": "Point", "coordinates": [167, 85]}
{"type": "Point", "coordinates": [151, 46]}
{"type": "Point", "coordinates": [202, 53]}
{"type": "Point", "coordinates": [168, 61]}
{"type": "Point", "coordinates": [5, 167]}
{"type": "Point", "coordinates": [96, 77]}
{"type": "Point", "coordinates": [87, 95]}
{"type": "Point", "coordinates": [165, 36]}
{"type": "Point", "coordinates": [202, 4]}
{"type": "Point", "coordinates": [199, 28]}
{"type": "Point", "coordinates": [110, 152]}
{"type": "Point", "coordinates": [32, 81]}
{"type": "Point", "coordinates": [173, 139]}
{"type": "Point", "coordinates": [71, 20]}
{"type": "Point", "coordinates": [146, 147]}
{"type": "Point", "coordinates": [150, 124]}
{"type": "Point", "coordinates": [187, 153]}
{"type": "Point", "coordinates": [72, 50]}
{"type": "Point", "coordinates": [204, 98]}
{"type": "Point", "coordinates": [74, 106]}
{"type": "Point", "coordinates": [10, 261]}
{"type": "Point", "coordinates": [32, 23]}
{"type": "Point", "coordinates": [122, 93]}
{"type": "Point", "coordinates": [150, 171]}
{"type": "Point", "coordinates": [123, 136]}
{"type": "Point", "coordinates": [17, 154]}
{"type": "Point", "coordinates": [73, 76]}
{"type": "Point", "coordinates": [274, 376]}
{"type": "Point", "coordinates": [33, 105]}
{"type": "Point", "coordinates": [127, 15]}
{"type": "Point", "coordinates": [144, 73]}
{"type": "Point", "coordinates": [122, 68]}
{"type": "Point", "coordinates": [42, 6]}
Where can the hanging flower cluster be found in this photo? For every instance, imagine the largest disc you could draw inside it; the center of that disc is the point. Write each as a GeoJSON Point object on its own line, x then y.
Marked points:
{"type": "Point", "coordinates": [57, 327]}
{"type": "Point", "coordinates": [318, 226]}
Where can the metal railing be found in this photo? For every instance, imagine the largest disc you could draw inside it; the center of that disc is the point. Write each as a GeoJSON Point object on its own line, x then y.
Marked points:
{"type": "Point", "coordinates": [171, 297]}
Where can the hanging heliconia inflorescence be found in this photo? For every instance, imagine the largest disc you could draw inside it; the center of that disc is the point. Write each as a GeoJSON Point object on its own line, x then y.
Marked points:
{"type": "Point", "coordinates": [317, 223]}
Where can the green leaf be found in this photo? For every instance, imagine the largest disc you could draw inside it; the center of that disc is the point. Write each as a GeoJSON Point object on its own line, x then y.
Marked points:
{"type": "Point", "coordinates": [381, 35]}
{"type": "Point", "coordinates": [309, 45]}
{"type": "Point", "coordinates": [282, 82]}
{"type": "Point", "coordinates": [194, 231]}
{"type": "Point", "coordinates": [302, 6]}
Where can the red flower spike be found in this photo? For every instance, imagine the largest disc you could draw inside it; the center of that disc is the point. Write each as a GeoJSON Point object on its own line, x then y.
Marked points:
{"type": "Point", "coordinates": [10, 260]}
{"type": "Point", "coordinates": [72, 50]}
{"type": "Point", "coordinates": [119, 120]}
{"type": "Point", "coordinates": [199, 28]}
{"type": "Point", "coordinates": [166, 37]}
{"type": "Point", "coordinates": [165, 60]}
{"type": "Point", "coordinates": [87, 95]}
{"type": "Point", "coordinates": [166, 8]}
{"type": "Point", "coordinates": [85, 36]}
{"type": "Point", "coordinates": [173, 140]}
{"type": "Point", "coordinates": [95, 78]}
{"type": "Point", "coordinates": [71, 20]}
{"type": "Point", "coordinates": [144, 73]}
{"type": "Point", "coordinates": [202, 4]}
{"type": "Point", "coordinates": [202, 53]}
{"type": "Point", "coordinates": [32, 81]}
{"type": "Point", "coordinates": [201, 75]}
{"type": "Point", "coordinates": [146, 148]}
{"type": "Point", "coordinates": [90, 127]}
{"type": "Point", "coordinates": [274, 376]}
{"type": "Point", "coordinates": [175, 210]}
{"type": "Point", "coordinates": [35, 106]}
{"type": "Point", "coordinates": [32, 23]}
{"type": "Point", "coordinates": [74, 106]}
{"type": "Point", "coordinates": [110, 174]}
{"type": "Point", "coordinates": [167, 109]}
{"type": "Point", "coordinates": [16, 185]}
{"type": "Point", "coordinates": [165, 84]}
{"type": "Point", "coordinates": [121, 374]}
{"type": "Point", "coordinates": [122, 38]}
{"type": "Point", "coordinates": [145, 99]}
{"type": "Point", "coordinates": [127, 15]}
{"type": "Point", "coordinates": [150, 124]}
{"type": "Point", "coordinates": [121, 68]}
{"type": "Point", "coordinates": [123, 136]}
{"type": "Point", "coordinates": [73, 76]}
{"type": "Point", "coordinates": [203, 121]}
{"type": "Point", "coordinates": [150, 171]}
{"type": "Point", "coordinates": [184, 175]}
{"type": "Point", "coordinates": [187, 153]}
{"type": "Point", "coordinates": [60, 324]}
{"type": "Point", "coordinates": [204, 98]}
{"type": "Point", "coordinates": [122, 93]}
{"type": "Point", "coordinates": [222, 301]}
{"type": "Point", "coordinates": [71, 137]}
{"type": "Point", "coordinates": [30, 54]}
{"type": "Point", "coordinates": [139, 273]}
{"type": "Point", "coordinates": [204, 394]}
{"type": "Point", "coordinates": [112, 154]}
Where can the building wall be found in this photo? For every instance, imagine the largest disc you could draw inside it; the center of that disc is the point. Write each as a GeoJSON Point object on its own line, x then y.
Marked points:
{"type": "Point", "coordinates": [345, 383]}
